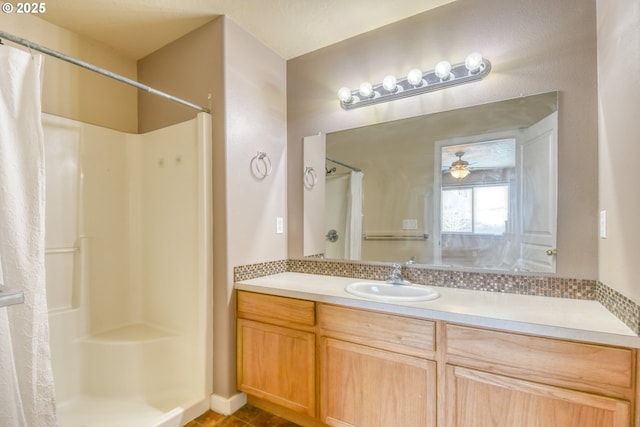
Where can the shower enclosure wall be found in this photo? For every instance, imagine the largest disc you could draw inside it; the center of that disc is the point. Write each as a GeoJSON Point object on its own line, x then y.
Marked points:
{"type": "Point", "coordinates": [337, 193]}
{"type": "Point", "coordinates": [128, 272]}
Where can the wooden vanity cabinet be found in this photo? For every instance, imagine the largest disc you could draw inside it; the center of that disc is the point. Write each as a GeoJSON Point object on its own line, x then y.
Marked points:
{"type": "Point", "coordinates": [348, 367]}
{"type": "Point", "coordinates": [375, 369]}
{"type": "Point", "coordinates": [276, 350]}
{"type": "Point", "coordinates": [499, 379]}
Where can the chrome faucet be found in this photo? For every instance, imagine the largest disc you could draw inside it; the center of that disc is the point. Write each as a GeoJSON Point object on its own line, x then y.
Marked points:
{"type": "Point", "coordinates": [395, 277]}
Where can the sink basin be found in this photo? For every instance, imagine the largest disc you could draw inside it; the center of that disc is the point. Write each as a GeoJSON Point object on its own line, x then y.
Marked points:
{"type": "Point", "coordinates": [380, 291]}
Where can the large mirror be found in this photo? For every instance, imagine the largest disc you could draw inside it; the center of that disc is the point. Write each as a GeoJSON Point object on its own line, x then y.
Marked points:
{"type": "Point", "coordinates": [474, 187]}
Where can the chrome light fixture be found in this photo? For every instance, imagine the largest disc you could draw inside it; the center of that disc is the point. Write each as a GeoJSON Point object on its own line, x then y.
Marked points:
{"type": "Point", "coordinates": [460, 168]}
{"type": "Point", "coordinates": [417, 82]}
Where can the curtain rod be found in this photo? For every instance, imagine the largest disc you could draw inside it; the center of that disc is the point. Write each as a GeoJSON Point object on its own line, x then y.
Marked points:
{"type": "Point", "coordinates": [342, 164]}
{"type": "Point", "coordinates": [98, 70]}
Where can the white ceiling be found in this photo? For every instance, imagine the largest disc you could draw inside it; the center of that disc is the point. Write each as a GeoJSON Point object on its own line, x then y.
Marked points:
{"type": "Point", "coordinates": [495, 154]}
{"type": "Point", "coordinates": [290, 28]}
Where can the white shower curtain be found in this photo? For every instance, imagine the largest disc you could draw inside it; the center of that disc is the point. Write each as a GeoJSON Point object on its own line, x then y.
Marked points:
{"type": "Point", "coordinates": [26, 382]}
{"type": "Point", "coordinates": [353, 232]}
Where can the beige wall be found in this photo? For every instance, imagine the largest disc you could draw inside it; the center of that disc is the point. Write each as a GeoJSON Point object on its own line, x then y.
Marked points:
{"type": "Point", "coordinates": [248, 86]}
{"type": "Point", "coordinates": [534, 45]}
{"type": "Point", "coordinates": [618, 107]}
{"type": "Point", "coordinates": [72, 92]}
{"type": "Point", "coordinates": [255, 84]}
{"type": "Point", "coordinates": [189, 68]}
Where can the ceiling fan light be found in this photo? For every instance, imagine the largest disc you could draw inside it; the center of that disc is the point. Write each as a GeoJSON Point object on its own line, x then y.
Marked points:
{"type": "Point", "coordinates": [460, 168]}
{"type": "Point", "coordinates": [459, 171]}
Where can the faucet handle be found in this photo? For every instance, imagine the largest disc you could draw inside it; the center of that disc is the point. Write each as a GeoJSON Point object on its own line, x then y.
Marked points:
{"type": "Point", "coordinates": [396, 274]}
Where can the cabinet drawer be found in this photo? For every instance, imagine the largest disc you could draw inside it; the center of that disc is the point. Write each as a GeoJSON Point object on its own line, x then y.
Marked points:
{"type": "Point", "coordinates": [401, 334]}
{"type": "Point", "coordinates": [276, 310]}
{"type": "Point", "coordinates": [580, 363]}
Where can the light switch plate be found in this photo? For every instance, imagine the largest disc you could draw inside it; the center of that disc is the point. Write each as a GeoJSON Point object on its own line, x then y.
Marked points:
{"type": "Point", "coordinates": [603, 224]}
{"type": "Point", "coordinates": [279, 225]}
{"type": "Point", "coordinates": [409, 224]}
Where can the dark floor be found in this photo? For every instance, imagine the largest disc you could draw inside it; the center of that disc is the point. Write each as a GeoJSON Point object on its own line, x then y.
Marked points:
{"type": "Point", "coordinates": [247, 416]}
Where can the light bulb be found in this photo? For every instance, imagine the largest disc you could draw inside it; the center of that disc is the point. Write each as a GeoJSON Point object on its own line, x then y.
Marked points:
{"type": "Point", "coordinates": [365, 89]}
{"type": "Point", "coordinates": [473, 62]}
{"type": "Point", "coordinates": [414, 77]}
{"type": "Point", "coordinates": [344, 94]}
{"type": "Point", "coordinates": [459, 171]}
{"type": "Point", "coordinates": [443, 70]}
{"type": "Point", "coordinates": [389, 83]}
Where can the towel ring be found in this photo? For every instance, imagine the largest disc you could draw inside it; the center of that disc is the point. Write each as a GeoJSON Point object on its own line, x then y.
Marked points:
{"type": "Point", "coordinates": [261, 165]}
{"type": "Point", "coordinates": [310, 177]}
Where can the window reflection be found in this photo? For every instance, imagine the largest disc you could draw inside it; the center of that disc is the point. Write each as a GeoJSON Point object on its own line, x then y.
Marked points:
{"type": "Point", "coordinates": [491, 209]}
{"type": "Point", "coordinates": [480, 209]}
{"type": "Point", "coordinates": [476, 210]}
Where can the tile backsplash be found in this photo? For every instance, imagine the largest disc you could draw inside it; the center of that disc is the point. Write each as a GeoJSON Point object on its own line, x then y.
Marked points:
{"type": "Point", "coordinates": [622, 307]}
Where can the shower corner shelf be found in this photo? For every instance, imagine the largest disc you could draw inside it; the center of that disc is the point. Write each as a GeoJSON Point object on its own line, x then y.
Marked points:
{"type": "Point", "coordinates": [10, 297]}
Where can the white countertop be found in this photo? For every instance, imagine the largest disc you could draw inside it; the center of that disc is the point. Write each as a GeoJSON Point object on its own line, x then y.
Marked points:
{"type": "Point", "coordinates": [573, 319]}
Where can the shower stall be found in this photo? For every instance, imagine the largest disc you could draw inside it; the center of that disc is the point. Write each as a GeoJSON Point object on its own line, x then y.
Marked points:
{"type": "Point", "coordinates": [128, 260]}
{"type": "Point", "coordinates": [336, 207]}
{"type": "Point", "coordinates": [343, 214]}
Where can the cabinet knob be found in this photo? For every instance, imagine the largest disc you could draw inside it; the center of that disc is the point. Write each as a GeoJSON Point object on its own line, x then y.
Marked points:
{"type": "Point", "coordinates": [552, 252]}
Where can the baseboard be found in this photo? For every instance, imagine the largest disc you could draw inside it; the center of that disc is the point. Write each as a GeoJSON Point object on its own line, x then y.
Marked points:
{"type": "Point", "coordinates": [227, 405]}
{"type": "Point", "coordinates": [282, 412]}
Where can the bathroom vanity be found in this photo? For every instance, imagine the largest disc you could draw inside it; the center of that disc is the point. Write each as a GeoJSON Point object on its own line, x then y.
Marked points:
{"type": "Point", "coordinates": [466, 359]}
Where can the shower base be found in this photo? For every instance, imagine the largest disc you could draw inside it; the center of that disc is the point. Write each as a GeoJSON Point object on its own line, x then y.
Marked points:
{"type": "Point", "coordinates": [91, 411]}
{"type": "Point", "coordinates": [129, 379]}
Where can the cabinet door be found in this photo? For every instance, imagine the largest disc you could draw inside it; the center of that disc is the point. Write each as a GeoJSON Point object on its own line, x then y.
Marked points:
{"type": "Point", "coordinates": [480, 399]}
{"type": "Point", "coordinates": [367, 387]}
{"type": "Point", "coordinates": [277, 364]}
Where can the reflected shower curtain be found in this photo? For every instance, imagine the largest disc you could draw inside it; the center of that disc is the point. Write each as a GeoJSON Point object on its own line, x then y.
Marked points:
{"type": "Point", "coordinates": [26, 381]}
{"type": "Point", "coordinates": [353, 232]}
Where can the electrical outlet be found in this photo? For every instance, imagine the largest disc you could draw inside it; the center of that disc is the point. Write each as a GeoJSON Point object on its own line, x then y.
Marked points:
{"type": "Point", "coordinates": [279, 225]}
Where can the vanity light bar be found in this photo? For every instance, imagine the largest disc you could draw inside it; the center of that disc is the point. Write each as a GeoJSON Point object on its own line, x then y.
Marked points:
{"type": "Point", "coordinates": [443, 76]}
